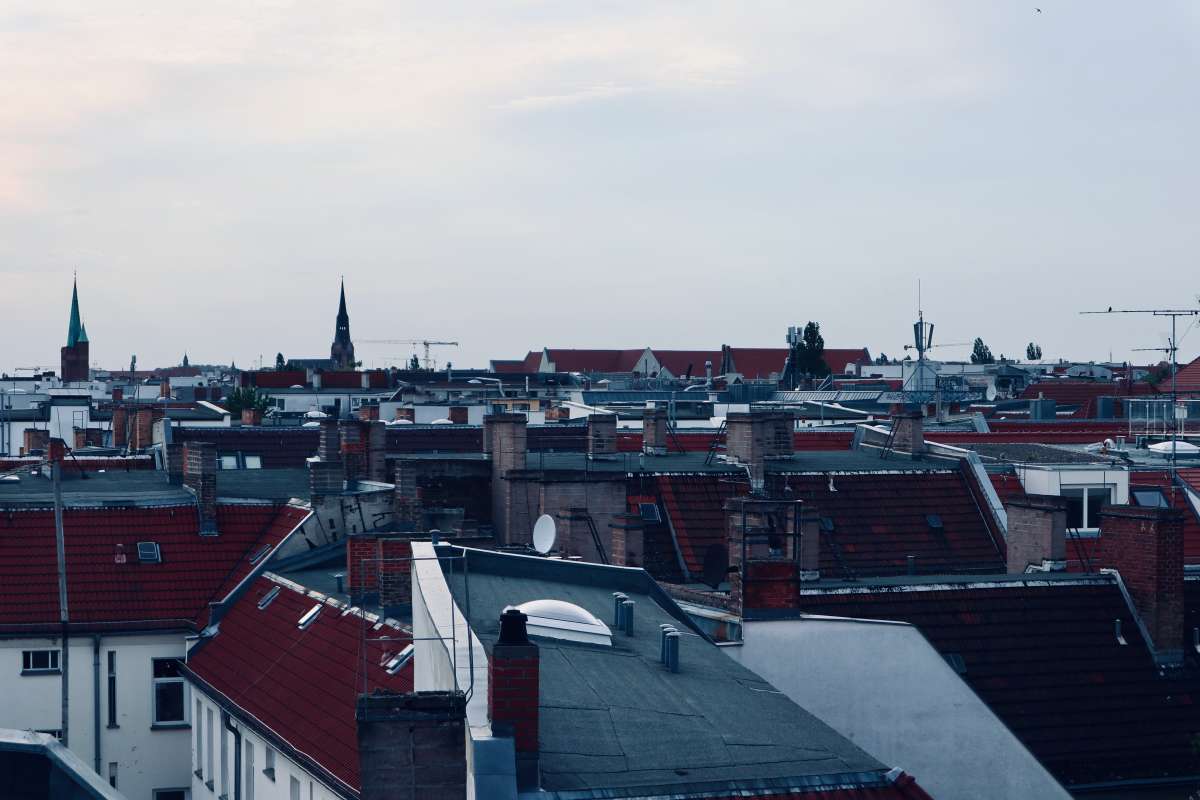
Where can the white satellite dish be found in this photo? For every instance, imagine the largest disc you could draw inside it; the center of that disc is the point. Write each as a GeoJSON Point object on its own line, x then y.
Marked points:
{"type": "Point", "coordinates": [544, 534]}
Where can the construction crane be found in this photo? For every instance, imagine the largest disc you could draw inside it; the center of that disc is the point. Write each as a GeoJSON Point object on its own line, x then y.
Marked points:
{"type": "Point", "coordinates": [427, 362]}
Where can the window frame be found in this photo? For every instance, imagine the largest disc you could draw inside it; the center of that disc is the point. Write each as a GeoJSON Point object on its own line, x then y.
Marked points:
{"type": "Point", "coordinates": [112, 690]}
{"type": "Point", "coordinates": [1088, 515]}
{"type": "Point", "coordinates": [155, 682]}
{"type": "Point", "coordinates": [53, 661]}
{"type": "Point", "coordinates": [158, 794]}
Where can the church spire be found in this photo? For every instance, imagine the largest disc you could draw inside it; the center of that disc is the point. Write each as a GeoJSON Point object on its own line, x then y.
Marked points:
{"type": "Point", "coordinates": [76, 332]}
{"type": "Point", "coordinates": [342, 351]}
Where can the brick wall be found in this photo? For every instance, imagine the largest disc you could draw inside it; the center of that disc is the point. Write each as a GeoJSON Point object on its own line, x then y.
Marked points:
{"type": "Point", "coordinates": [412, 746]}
{"type": "Point", "coordinates": [602, 434]}
{"type": "Point", "coordinates": [362, 564]}
{"type": "Point", "coordinates": [1037, 532]}
{"type": "Point", "coordinates": [1146, 546]}
{"type": "Point", "coordinates": [408, 495]}
{"type": "Point", "coordinates": [505, 438]}
{"type": "Point", "coordinates": [36, 439]}
{"type": "Point", "coordinates": [627, 548]}
{"type": "Point", "coordinates": [120, 426]}
{"type": "Point", "coordinates": [910, 432]}
{"type": "Point", "coordinates": [395, 571]}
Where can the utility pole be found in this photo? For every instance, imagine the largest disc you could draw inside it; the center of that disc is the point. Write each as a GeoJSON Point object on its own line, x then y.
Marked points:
{"type": "Point", "coordinates": [1174, 314]}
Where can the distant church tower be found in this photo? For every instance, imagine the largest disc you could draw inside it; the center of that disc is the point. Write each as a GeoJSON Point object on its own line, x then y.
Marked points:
{"type": "Point", "coordinates": [342, 352]}
{"type": "Point", "coordinates": [74, 357]}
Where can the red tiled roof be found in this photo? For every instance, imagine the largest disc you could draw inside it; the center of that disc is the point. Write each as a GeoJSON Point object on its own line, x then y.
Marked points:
{"type": "Point", "coordinates": [595, 360]}
{"type": "Point", "coordinates": [301, 685]}
{"type": "Point", "coordinates": [1188, 378]}
{"type": "Point", "coordinates": [1084, 393]}
{"type": "Point", "coordinates": [195, 569]}
{"type": "Point", "coordinates": [695, 505]}
{"type": "Point", "coordinates": [837, 359]}
{"type": "Point", "coordinates": [881, 518]}
{"type": "Point", "coordinates": [1191, 477]}
{"type": "Point", "coordinates": [272, 379]}
{"type": "Point", "coordinates": [758, 362]}
{"type": "Point", "coordinates": [1008, 487]}
{"type": "Point", "coordinates": [352, 379]}
{"type": "Point", "coordinates": [509, 366]}
{"type": "Point", "coordinates": [808, 439]}
{"type": "Point", "coordinates": [1046, 660]}
{"type": "Point", "coordinates": [678, 361]}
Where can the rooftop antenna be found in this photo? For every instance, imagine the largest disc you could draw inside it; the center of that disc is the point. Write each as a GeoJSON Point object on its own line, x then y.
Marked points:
{"type": "Point", "coordinates": [544, 534]}
{"type": "Point", "coordinates": [1172, 349]}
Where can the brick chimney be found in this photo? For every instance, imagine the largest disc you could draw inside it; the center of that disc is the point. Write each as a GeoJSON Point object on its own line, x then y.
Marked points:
{"type": "Point", "coordinates": [362, 566]}
{"type": "Point", "coordinates": [164, 389]}
{"type": "Point", "coordinates": [395, 571]}
{"type": "Point", "coordinates": [1145, 545]}
{"type": "Point", "coordinates": [654, 431]}
{"type": "Point", "coordinates": [120, 426]}
{"type": "Point", "coordinates": [200, 478]}
{"type": "Point", "coordinates": [175, 462]}
{"type": "Point", "coordinates": [408, 495]}
{"type": "Point", "coordinates": [513, 693]}
{"type": "Point", "coordinates": [602, 435]}
{"type": "Point", "coordinates": [354, 440]}
{"type": "Point", "coordinates": [376, 435]}
{"type": "Point", "coordinates": [412, 746]}
{"type": "Point", "coordinates": [753, 438]}
{"type": "Point", "coordinates": [56, 450]}
{"type": "Point", "coordinates": [329, 447]}
{"type": "Point", "coordinates": [1037, 533]}
{"type": "Point", "coordinates": [504, 437]}
{"type": "Point", "coordinates": [767, 561]}
{"type": "Point", "coordinates": [909, 427]}
{"type": "Point", "coordinates": [142, 435]}
{"type": "Point", "coordinates": [628, 541]}
{"type": "Point", "coordinates": [118, 394]}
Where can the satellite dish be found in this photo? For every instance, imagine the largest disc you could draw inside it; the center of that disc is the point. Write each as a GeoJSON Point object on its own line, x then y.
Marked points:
{"type": "Point", "coordinates": [544, 534]}
{"type": "Point", "coordinates": [716, 564]}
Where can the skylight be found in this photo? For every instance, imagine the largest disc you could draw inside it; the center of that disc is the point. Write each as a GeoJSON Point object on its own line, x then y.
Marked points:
{"type": "Point", "coordinates": [1150, 498]}
{"type": "Point", "coordinates": [309, 617]}
{"type": "Point", "coordinates": [397, 662]}
{"type": "Point", "coordinates": [268, 597]}
{"type": "Point", "coordinates": [148, 553]}
{"type": "Point", "coordinates": [649, 512]}
{"type": "Point", "coordinates": [558, 619]}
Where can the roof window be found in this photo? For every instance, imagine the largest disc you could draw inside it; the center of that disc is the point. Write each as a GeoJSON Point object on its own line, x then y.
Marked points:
{"type": "Point", "coordinates": [1150, 498]}
{"type": "Point", "coordinates": [149, 553]}
{"type": "Point", "coordinates": [309, 617]}
{"type": "Point", "coordinates": [268, 597]}
{"type": "Point", "coordinates": [649, 512]}
{"type": "Point", "coordinates": [558, 619]}
{"type": "Point", "coordinates": [397, 662]}
{"type": "Point", "coordinates": [935, 521]}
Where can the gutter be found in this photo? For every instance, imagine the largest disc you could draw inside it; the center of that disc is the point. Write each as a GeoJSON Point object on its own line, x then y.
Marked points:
{"type": "Point", "coordinates": [237, 753]}
{"type": "Point", "coordinates": [96, 761]}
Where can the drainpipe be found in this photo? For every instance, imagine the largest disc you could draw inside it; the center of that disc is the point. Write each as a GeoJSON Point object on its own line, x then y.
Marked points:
{"type": "Point", "coordinates": [237, 754]}
{"type": "Point", "coordinates": [96, 699]}
{"type": "Point", "coordinates": [63, 617]}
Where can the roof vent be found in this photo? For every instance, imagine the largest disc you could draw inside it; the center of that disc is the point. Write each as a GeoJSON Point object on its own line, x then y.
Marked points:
{"type": "Point", "coordinates": [557, 619]}
{"type": "Point", "coordinates": [268, 597]}
{"type": "Point", "coordinates": [148, 553]}
{"type": "Point", "coordinates": [309, 617]}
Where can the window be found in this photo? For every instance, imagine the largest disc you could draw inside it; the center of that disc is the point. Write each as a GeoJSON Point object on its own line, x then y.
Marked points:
{"type": "Point", "coordinates": [649, 512]}
{"type": "Point", "coordinates": [269, 762]}
{"type": "Point", "coordinates": [208, 748]}
{"type": "Point", "coordinates": [253, 462]}
{"type": "Point", "coordinates": [1150, 498]}
{"type": "Point", "coordinates": [170, 794]}
{"type": "Point", "coordinates": [148, 553]}
{"type": "Point", "coordinates": [34, 662]}
{"type": "Point", "coordinates": [224, 762]}
{"type": "Point", "coordinates": [293, 788]}
{"type": "Point", "coordinates": [1083, 506]}
{"type": "Point", "coordinates": [112, 689]}
{"type": "Point", "coordinates": [227, 462]}
{"type": "Point", "coordinates": [169, 707]}
{"type": "Point", "coordinates": [248, 790]}
{"type": "Point", "coordinates": [199, 740]}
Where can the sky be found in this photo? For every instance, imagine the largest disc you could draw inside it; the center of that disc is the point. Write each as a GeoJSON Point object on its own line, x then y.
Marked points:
{"type": "Point", "coordinates": [618, 174]}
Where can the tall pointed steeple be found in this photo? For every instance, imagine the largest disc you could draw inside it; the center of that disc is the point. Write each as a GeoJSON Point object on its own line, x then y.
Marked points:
{"type": "Point", "coordinates": [73, 358]}
{"type": "Point", "coordinates": [342, 351]}
{"type": "Point", "coordinates": [76, 332]}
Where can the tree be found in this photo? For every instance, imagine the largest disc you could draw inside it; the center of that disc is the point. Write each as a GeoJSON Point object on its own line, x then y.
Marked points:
{"type": "Point", "coordinates": [414, 363]}
{"type": "Point", "coordinates": [810, 352]}
{"type": "Point", "coordinates": [241, 399]}
{"type": "Point", "coordinates": [883, 359]}
{"type": "Point", "coordinates": [981, 354]}
{"type": "Point", "coordinates": [1033, 352]}
{"type": "Point", "coordinates": [279, 362]}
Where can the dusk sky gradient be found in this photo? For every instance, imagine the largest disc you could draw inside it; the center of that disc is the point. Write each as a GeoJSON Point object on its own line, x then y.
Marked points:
{"type": "Point", "coordinates": [618, 174]}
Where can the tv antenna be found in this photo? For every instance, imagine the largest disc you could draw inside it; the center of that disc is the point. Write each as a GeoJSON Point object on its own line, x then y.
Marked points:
{"type": "Point", "coordinates": [1172, 349]}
